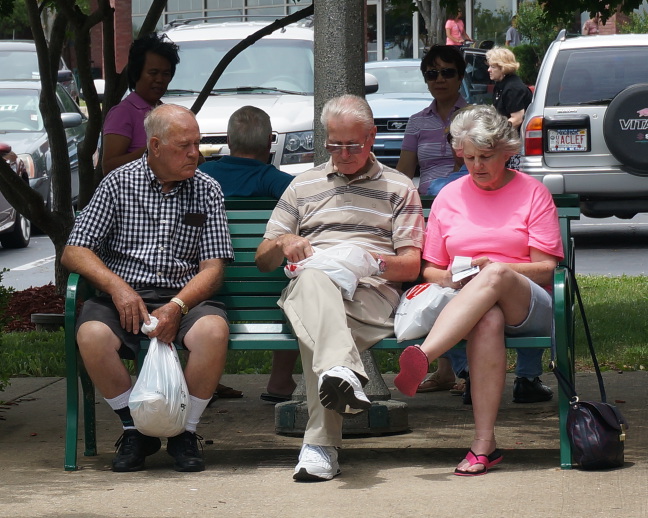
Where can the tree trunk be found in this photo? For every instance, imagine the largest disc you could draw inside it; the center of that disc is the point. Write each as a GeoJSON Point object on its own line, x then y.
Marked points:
{"type": "Point", "coordinates": [339, 57]}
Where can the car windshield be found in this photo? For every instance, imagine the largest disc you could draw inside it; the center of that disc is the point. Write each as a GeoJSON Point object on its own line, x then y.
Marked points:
{"type": "Point", "coordinates": [269, 65]}
{"type": "Point", "coordinates": [399, 80]}
{"type": "Point", "coordinates": [596, 76]}
{"type": "Point", "coordinates": [18, 65]}
{"type": "Point", "coordinates": [19, 110]}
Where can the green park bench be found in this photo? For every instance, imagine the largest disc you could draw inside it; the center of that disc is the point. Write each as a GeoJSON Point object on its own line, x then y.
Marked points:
{"type": "Point", "coordinates": [251, 298]}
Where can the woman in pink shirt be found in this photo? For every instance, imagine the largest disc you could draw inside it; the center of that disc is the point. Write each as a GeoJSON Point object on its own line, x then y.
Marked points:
{"type": "Point", "coordinates": [455, 30]}
{"type": "Point", "coordinates": [507, 224]}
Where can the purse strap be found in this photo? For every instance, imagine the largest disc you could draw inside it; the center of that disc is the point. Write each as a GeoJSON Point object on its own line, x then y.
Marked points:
{"type": "Point", "coordinates": [564, 383]}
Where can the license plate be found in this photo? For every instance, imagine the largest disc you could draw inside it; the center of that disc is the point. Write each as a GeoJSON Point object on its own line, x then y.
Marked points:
{"type": "Point", "coordinates": [567, 140]}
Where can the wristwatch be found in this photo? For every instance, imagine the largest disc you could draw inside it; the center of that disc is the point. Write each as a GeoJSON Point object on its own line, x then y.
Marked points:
{"type": "Point", "coordinates": [183, 307]}
{"type": "Point", "coordinates": [382, 265]}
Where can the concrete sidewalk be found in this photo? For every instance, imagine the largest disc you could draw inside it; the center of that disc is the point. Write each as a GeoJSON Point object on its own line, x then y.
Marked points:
{"type": "Point", "coordinates": [249, 467]}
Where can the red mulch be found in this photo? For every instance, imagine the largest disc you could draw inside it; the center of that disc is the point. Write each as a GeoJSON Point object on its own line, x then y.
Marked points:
{"type": "Point", "coordinates": [22, 304]}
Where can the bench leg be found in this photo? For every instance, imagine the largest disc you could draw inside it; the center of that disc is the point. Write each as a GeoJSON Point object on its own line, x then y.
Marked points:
{"type": "Point", "coordinates": [71, 416]}
{"type": "Point", "coordinates": [89, 415]}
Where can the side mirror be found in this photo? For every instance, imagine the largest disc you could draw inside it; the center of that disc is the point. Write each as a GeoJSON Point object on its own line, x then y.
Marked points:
{"type": "Point", "coordinates": [71, 120]}
{"type": "Point", "coordinates": [64, 76]}
{"type": "Point", "coordinates": [371, 83]}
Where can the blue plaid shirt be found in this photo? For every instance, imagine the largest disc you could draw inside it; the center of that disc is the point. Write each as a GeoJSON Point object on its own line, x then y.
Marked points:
{"type": "Point", "coordinates": [151, 238]}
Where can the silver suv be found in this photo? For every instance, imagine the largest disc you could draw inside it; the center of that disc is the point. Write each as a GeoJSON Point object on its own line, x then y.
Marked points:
{"type": "Point", "coordinates": [586, 130]}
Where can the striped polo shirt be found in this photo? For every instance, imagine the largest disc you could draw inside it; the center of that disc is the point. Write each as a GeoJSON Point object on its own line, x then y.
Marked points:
{"type": "Point", "coordinates": [380, 211]}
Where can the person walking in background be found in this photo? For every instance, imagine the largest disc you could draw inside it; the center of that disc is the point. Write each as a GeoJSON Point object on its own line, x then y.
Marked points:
{"type": "Point", "coordinates": [152, 62]}
{"type": "Point", "coordinates": [591, 26]}
{"type": "Point", "coordinates": [512, 34]}
{"type": "Point", "coordinates": [511, 97]}
{"type": "Point", "coordinates": [246, 172]}
{"type": "Point", "coordinates": [456, 30]}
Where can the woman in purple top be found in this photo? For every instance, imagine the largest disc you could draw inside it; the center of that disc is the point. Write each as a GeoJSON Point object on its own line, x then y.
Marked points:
{"type": "Point", "coordinates": [152, 61]}
{"type": "Point", "coordinates": [425, 143]}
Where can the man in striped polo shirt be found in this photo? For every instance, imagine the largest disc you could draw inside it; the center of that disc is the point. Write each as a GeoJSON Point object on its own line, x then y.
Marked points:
{"type": "Point", "coordinates": [350, 199]}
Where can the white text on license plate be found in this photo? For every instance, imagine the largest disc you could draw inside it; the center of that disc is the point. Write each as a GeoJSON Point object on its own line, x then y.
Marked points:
{"type": "Point", "coordinates": [567, 140]}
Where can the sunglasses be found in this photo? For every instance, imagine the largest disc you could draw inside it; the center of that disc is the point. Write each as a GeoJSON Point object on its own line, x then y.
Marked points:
{"type": "Point", "coordinates": [446, 73]}
{"type": "Point", "coordinates": [352, 149]}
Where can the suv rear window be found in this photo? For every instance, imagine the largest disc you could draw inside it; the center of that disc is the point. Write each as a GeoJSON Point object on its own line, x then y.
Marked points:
{"type": "Point", "coordinates": [595, 76]}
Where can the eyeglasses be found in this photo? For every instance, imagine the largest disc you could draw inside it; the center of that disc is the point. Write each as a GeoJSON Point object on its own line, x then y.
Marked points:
{"type": "Point", "coordinates": [352, 149]}
{"type": "Point", "coordinates": [446, 73]}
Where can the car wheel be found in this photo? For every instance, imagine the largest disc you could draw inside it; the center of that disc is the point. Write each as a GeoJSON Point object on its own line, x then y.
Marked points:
{"type": "Point", "coordinates": [625, 129]}
{"type": "Point", "coordinates": [19, 235]}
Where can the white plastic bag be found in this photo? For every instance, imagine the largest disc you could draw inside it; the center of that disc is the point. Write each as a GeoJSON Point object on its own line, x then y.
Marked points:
{"type": "Point", "coordinates": [419, 308]}
{"type": "Point", "coordinates": [345, 264]}
{"type": "Point", "coordinates": [159, 402]}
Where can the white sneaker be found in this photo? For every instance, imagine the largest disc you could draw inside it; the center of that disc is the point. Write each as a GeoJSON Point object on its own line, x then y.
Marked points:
{"type": "Point", "coordinates": [340, 390]}
{"type": "Point", "coordinates": [317, 463]}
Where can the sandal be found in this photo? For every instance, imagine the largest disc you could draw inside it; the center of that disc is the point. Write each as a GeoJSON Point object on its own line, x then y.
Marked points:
{"type": "Point", "coordinates": [432, 384]}
{"type": "Point", "coordinates": [458, 388]}
{"type": "Point", "coordinates": [488, 461]}
{"type": "Point", "coordinates": [414, 365]}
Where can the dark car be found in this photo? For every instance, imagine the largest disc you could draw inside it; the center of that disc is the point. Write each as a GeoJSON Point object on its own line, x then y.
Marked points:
{"type": "Point", "coordinates": [21, 128]}
{"type": "Point", "coordinates": [19, 60]}
{"type": "Point", "coordinates": [15, 230]}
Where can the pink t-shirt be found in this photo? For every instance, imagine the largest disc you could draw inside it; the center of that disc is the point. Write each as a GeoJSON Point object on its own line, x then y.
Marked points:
{"type": "Point", "coordinates": [127, 119]}
{"type": "Point", "coordinates": [456, 30]}
{"type": "Point", "coordinates": [502, 225]}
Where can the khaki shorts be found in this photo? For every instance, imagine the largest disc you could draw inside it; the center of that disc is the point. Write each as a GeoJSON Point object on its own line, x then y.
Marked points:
{"type": "Point", "coordinates": [102, 309]}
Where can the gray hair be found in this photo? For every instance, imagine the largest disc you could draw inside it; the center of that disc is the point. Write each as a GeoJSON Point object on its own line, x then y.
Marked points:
{"type": "Point", "coordinates": [482, 126]}
{"type": "Point", "coordinates": [248, 131]}
{"type": "Point", "coordinates": [348, 106]}
{"type": "Point", "coordinates": [158, 121]}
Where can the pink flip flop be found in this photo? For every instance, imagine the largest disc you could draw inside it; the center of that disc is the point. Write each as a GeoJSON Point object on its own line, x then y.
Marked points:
{"type": "Point", "coordinates": [413, 369]}
{"type": "Point", "coordinates": [487, 460]}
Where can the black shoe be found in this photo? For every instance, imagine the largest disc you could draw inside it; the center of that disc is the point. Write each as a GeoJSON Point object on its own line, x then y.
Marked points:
{"type": "Point", "coordinates": [134, 447]}
{"type": "Point", "coordinates": [525, 391]}
{"type": "Point", "coordinates": [466, 397]}
{"type": "Point", "coordinates": [184, 449]}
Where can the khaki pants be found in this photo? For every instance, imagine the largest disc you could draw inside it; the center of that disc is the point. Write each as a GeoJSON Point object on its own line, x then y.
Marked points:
{"type": "Point", "coordinates": [332, 332]}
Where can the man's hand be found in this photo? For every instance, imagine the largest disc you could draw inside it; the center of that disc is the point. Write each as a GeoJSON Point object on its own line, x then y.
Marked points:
{"type": "Point", "coordinates": [294, 248]}
{"type": "Point", "coordinates": [131, 308]}
{"type": "Point", "coordinates": [168, 322]}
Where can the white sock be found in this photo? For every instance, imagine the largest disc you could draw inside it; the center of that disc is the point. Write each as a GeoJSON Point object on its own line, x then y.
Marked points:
{"type": "Point", "coordinates": [196, 408]}
{"type": "Point", "coordinates": [121, 401]}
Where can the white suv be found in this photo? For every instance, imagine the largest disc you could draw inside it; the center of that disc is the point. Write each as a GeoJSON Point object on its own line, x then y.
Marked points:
{"type": "Point", "coordinates": [586, 130]}
{"type": "Point", "coordinates": [275, 74]}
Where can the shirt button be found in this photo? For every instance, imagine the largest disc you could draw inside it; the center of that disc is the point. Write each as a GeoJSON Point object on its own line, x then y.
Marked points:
{"type": "Point", "coordinates": [159, 274]}
{"type": "Point", "coordinates": [161, 248]}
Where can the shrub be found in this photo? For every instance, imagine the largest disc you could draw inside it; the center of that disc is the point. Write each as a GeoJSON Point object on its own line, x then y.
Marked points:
{"type": "Point", "coordinates": [529, 58]}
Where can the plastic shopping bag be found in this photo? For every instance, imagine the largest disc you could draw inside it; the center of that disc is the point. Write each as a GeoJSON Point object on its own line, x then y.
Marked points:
{"type": "Point", "coordinates": [159, 401]}
{"type": "Point", "coordinates": [419, 308]}
{"type": "Point", "coordinates": [345, 264]}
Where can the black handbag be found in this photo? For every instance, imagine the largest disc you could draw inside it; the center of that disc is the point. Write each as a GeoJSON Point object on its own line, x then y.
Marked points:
{"type": "Point", "coordinates": [596, 430]}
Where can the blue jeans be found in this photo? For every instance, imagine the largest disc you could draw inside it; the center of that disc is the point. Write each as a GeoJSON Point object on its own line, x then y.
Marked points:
{"type": "Point", "coordinates": [529, 362]}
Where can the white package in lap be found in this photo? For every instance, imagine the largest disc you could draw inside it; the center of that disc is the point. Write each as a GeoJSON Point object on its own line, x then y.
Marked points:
{"type": "Point", "coordinates": [159, 402]}
{"type": "Point", "coordinates": [419, 308]}
{"type": "Point", "coordinates": [345, 265]}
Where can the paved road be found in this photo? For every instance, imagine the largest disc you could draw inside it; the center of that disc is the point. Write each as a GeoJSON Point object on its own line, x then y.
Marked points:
{"type": "Point", "coordinates": [609, 246]}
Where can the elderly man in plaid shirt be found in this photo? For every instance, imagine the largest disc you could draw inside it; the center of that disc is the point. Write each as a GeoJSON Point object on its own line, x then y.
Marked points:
{"type": "Point", "coordinates": [154, 239]}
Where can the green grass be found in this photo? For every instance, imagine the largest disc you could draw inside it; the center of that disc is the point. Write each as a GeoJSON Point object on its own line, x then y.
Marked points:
{"type": "Point", "coordinates": [616, 309]}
